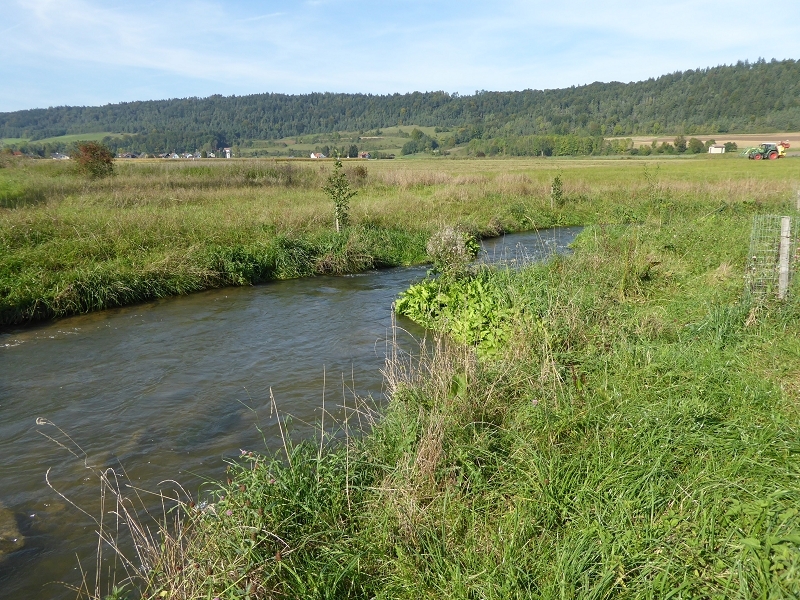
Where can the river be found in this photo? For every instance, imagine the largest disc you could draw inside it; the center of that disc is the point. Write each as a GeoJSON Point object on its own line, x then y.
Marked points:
{"type": "Point", "coordinates": [169, 389]}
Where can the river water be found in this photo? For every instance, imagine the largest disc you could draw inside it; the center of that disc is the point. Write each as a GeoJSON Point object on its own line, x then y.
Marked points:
{"type": "Point", "coordinates": [169, 389]}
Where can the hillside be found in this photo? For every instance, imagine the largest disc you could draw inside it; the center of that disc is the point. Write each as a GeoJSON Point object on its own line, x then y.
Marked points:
{"type": "Point", "coordinates": [746, 97]}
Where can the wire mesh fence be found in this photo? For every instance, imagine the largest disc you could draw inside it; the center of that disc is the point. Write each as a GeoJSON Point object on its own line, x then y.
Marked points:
{"type": "Point", "coordinates": [763, 272]}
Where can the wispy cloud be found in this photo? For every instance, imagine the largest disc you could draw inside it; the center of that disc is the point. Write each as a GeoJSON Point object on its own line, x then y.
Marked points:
{"type": "Point", "coordinates": [111, 50]}
{"type": "Point", "coordinates": [260, 17]}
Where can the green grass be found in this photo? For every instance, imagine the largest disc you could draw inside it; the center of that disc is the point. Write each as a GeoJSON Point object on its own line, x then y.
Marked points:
{"type": "Point", "coordinates": [390, 141]}
{"type": "Point", "coordinates": [10, 141]}
{"type": "Point", "coordinates": [635, 437]}
{"type": "Point", "coordinates": [156, 228]}
{"type": "Point", "coordinates": [67, 139]}
{"type": "Point", "coordinates": [79, 137]}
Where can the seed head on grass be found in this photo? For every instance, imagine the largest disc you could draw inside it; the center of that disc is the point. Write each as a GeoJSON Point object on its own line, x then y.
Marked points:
{"type": "Point", "coordinates": [451, 249]}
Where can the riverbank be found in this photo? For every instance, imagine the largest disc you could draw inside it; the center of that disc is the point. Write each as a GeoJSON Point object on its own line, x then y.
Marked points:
{"type": "Point", "coordinates": [635, 435]}
{"type": "Point", "coordinates": [155, 229]}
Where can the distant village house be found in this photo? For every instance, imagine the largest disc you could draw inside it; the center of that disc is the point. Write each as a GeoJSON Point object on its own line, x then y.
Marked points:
{"type": "Point", "coordinates": [317, 155]}
{"type": "Point", "coordinates": [716, 149]}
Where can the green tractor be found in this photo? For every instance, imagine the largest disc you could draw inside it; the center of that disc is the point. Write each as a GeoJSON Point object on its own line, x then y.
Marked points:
{"type": "Point", "coordinates": [767, 151]}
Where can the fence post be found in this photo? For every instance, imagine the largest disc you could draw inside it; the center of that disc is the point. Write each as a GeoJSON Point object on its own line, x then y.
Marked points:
{"type": "Point", "coordinates": [783, 257]}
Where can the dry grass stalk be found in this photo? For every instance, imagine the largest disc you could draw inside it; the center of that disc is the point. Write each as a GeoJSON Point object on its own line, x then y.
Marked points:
{"type": "Point", "coordinates": [143, 544]}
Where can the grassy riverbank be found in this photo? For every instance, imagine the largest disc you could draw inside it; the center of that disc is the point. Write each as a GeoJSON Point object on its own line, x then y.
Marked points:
{"type": "Point", "coordinates": [635, 434]}
{"type": "Point", "coordinates": [69, 245]}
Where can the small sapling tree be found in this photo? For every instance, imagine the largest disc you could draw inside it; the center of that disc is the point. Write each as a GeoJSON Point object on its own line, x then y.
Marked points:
{"type": "Point", "coordinates": [338, 189]}
{"type": "Point", "coordinates": [94, 160]}
{"type": "Point", "coordinates": [557, 192]}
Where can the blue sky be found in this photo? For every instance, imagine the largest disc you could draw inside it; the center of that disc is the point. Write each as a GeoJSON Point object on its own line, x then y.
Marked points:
{"type": "Point", "coordinates": [91, 52]}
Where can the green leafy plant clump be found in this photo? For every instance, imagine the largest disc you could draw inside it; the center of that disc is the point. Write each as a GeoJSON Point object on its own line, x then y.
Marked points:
{"type": "Point", "coordinates": [475, 310]}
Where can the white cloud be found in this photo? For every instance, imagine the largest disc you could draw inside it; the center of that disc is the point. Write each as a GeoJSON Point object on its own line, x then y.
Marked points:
{"type": "Point", "coordinates": [114, 48]}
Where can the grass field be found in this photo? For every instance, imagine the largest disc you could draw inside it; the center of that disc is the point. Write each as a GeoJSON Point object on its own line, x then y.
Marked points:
{"type": "Point", "coordinates": [620, 423]}
{"type": "Point", "coordinates": [389, 140]}
{"type": "Point", "coordinates": [72, 245]}
{"type": "Point", "coordinates": [66, 139]}
{"type": "Point", "coordinates": [633, 436]}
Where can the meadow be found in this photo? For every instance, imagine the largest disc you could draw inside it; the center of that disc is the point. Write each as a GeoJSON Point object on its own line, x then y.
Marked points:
{"type": "Point", "coordinates": [72, 245]}
{"type": "Point", "coordinates": [618, 423]}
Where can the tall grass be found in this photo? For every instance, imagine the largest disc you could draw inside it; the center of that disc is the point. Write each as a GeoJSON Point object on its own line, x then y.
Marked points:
{"type": "Point", "coordinates": [68, 245]}
{"type": "Point", "coordinates": [634, 437]}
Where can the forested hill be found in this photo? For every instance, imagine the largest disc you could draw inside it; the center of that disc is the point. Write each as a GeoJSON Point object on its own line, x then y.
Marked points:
{"type": "Point", "coordinates": [745, 97]}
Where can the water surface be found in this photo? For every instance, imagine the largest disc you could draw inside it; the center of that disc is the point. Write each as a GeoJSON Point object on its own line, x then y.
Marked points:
{"type": "Point", "coordinates": [169, 389]}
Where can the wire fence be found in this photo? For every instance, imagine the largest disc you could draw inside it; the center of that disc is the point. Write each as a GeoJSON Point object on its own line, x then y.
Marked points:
{"type": "Point", "coordinates": [763, 272]}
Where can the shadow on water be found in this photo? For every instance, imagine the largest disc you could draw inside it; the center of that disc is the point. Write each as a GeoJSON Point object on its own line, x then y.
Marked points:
{"type": "Point", "coordinates": [171, 388]}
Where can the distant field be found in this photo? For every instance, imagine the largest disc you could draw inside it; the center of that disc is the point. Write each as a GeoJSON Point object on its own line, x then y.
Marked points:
{"type": "Point", "coordinates": [67, 139]}
{"type": "Point", "coordinates": [388, 140]}
{"type": "Point", "coordinates": [742, 140]}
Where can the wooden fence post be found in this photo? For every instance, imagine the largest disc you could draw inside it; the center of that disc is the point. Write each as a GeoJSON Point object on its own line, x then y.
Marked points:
{"type": "Point", "coordinates": [783, 257]}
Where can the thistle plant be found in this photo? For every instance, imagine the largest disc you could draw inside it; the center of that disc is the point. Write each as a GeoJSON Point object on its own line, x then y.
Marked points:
{"type": "Point", "coordinates": [451, 249]}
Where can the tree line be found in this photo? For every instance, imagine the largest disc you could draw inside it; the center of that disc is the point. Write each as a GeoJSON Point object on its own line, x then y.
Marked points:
{"type": "Point", "coordinates": [745, 97]}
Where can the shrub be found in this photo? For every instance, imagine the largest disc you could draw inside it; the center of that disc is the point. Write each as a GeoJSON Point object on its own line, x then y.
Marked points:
{"type": "Point", "coordinates": [557, 192]}
{"type": "Point", "coordinates": [338, 189]}
{"type": "Point", "coordinates": [94, 160]}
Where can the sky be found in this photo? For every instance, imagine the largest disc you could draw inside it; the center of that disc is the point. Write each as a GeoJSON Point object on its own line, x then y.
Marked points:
{"type": "Point", "coordinates": [95, 52]}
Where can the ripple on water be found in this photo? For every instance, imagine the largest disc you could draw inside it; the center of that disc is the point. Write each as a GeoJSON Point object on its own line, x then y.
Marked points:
{"type": "Point", "coordinates": [169, 388]}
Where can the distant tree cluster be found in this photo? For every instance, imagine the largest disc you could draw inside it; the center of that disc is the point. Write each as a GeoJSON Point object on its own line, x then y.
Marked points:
{"type": "Point", "coordinates": [681, 146]}
{"type": "Point", "coordinates": [745, 97]}
{"type": "Point", "coordinates": [546, 145]}
{"type": "Point", "coordinates": [419, 142]}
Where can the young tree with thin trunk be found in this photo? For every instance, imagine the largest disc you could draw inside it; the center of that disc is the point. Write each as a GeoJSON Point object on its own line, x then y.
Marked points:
{"type": "Point", "coordinates": [339, 190]}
